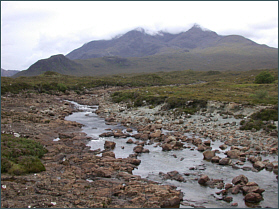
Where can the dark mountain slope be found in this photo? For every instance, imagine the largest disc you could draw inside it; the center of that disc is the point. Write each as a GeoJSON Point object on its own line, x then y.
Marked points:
{"type": "Point", "coordinates": [58, 63]}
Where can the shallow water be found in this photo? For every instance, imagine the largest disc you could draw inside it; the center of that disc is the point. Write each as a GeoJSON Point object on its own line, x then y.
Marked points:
{"type": "Point", "coordinates": [158, 161]}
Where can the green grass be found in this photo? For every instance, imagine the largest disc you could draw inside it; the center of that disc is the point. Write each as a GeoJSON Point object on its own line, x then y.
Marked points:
{"type": "Point", "coordinates": [156, 88]}
{"type": "Point", "coordinates": [20, 155]}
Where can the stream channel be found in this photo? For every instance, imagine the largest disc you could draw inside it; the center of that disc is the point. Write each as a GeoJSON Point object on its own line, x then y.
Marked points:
{"type": "Point", "coordinates": [160, 161]}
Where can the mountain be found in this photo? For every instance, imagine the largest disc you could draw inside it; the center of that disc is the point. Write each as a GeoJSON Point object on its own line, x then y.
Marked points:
{"type": "Point", "coordinates": [138, 43]}
{"type": "Point", "coordinates": [8, 73]}
{"type": "Point", "coordinates": [138, 51]}
{"type": "Point", "coordinates": [58, 63]}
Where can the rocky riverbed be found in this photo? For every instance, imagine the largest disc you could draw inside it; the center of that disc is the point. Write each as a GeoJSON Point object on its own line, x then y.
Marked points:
{"type": "Point", "coordinates": [75, 176]}
{"type": "Point", "coordinates": [224, 151]}
{"type": "Point", "coordinates": [78, 176]}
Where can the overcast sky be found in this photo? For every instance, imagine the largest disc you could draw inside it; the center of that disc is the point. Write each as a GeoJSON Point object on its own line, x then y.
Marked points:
{"type": "Point", "coordinates": [33, 30]}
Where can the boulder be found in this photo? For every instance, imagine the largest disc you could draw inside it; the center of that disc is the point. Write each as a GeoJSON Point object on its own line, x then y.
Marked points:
{"type": "Point", "coordinates": [259, 165]}
{"type": "Point", "coordinates": [133, 161]}
{"type": "Point", "coordinates": [170, 139]}
{"type": "Point", "coordinates": [215, 159]}
{"type": "Point", "coordinates": [109, 145]}
{"type": "Point", "coordinates": [207, 142]}
{"type": "Point", "coordinates": [156, 134]}
{"type": "Point", "coordinates": [203, 179]}
{"type": "Point", "coordinates": [269, 166]}
{"type": "Point", "coordinates": [223, 147]}
{"type": "Point", "coordinates": [228, 199]}
{"type": "Point", "coordinates": [144, 137]}
{"type": "Point", "coordinates": [228, 186]}
{"type": "Point", "coordinates": [208, 154]}
{"type": "Point", "coordinates": [166, 147]}
{"type": "Point", "coordinates": [108, 154]}
{"type": "Point", "coordinates": [174, 175]}
{"type": "Point", "coordinates": [138, 149]}
{"type": "Point", "coordinates": [233, 154]}
{"type": "Point", "coordinates": [236, 189]}
{"type": "Point", "coordinates": [197, 141]}
{"type": "Point", "coordinates": [129, 141]}
{"type": "Point", "coordinates": [255, 189]}
{"type": "Point", "coordinates": [253, 197]}
{"type": "Point", "coordinates": [240, 180]}
{"type": "Point", "coordinates": [225, 161]}
{"type": "Point", "coordinates": [201, 148]}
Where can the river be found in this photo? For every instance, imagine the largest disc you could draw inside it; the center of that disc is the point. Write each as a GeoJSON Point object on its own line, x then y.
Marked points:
{"type": "Point", "coordinates": [186, 161]}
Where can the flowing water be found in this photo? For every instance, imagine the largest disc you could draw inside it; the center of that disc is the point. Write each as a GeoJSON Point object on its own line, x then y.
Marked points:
{"type": "Point", "coordinates": [186, 161]}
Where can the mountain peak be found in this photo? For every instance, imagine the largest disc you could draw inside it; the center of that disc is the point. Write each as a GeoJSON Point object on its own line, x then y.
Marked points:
{"type": "Point", "coordinates": [197, 27]}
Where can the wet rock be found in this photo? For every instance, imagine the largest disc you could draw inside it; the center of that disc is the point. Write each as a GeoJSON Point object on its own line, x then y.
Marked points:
{"type": "Point", "coordinates": [129, 141]}
{"type": "Point", "coordinates": [201, 148]}
{"type": "Point", "coordinates": [236, 189]}
{"type": "Point", "coordinates": [228, 199]}
{"type": "Point", "coordinates": [256, 189]}
{"type": "Point", "coordinates": [197, 141]}
{"type": "Point", "coordinates": [203, 179]}
{"type": "Point", "coordinates": [259, 165]}
{"type": "Point", "coordinates": [223, 147]}
{"type": "Point", "coordinates": [144, 137]}
{"type": "Point", "coordinates": [215, 159]}
{"type": "Point", "coordinates": [109, 145]}
{"type": "Point", "coordinates": [133, 161]}
{"type": "Point", "coordinates": [269, 166]}
{"type": "Point", "coordinates": [225, 161]}
{"type": "Point", "coordinates": [208, 154]}
{"type": "Point", "coordinates": [253, 197]}
{"type": "Point", "coordinates": [207, 142]}
{"type": "Point", "coordinates": [108, 154]}
{"type": "Point", "coordinates": [111, 119]}
{"type": "Point", "coordinates": [156, 134]}
{"type": "Point", "coordinates": [166, 147]}
{"type": "Point", "coordinates": [138, 149]}
{"type": "Point", "coordinates": [233, 154]}
{"type": "Point", "coordinates": [172, 175]}
{"type": "Point", "coordinates": [228, 186]}
{"type": "Point", "coordinates": [106, 134]}
{"type": "Point", "coordinates": [240, 180]}
{"type": "Point", "coordinates": [254, 159]}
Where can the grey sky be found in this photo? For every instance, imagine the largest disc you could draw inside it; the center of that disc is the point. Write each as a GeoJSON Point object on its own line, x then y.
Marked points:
{"type": "Point", "coordinates": [33, 30]}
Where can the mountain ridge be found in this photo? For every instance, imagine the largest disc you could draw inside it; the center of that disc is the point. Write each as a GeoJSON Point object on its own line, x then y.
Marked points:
{"type": "Point", "coordinates": [137, 51]}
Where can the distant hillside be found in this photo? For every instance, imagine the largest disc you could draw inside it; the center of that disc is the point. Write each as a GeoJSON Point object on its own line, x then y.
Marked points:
{"type": "Point", "coordinates": [137, 51]}
{"type": "Point", "coordinates": [57, 63]}
{"type": "Point", "coordinates": [8, 73]}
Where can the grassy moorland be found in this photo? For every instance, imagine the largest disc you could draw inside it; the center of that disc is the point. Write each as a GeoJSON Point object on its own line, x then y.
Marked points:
{"type": "Point", "coordinates": [174, 88]}
{"type": "Point", "coordinates": [224, 85]}
{"type": "Point", "coordinates": [20, 155]}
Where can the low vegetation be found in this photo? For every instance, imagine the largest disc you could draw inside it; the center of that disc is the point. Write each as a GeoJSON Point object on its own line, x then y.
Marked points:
{"type": "Point", "coordinates": [263, 119]}
{"type": "Point", "coordinates": [20, 155]}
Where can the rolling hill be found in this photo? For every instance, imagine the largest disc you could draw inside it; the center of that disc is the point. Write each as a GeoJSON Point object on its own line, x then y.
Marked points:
{"type": "Point", "coordinates": [137, 51]}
